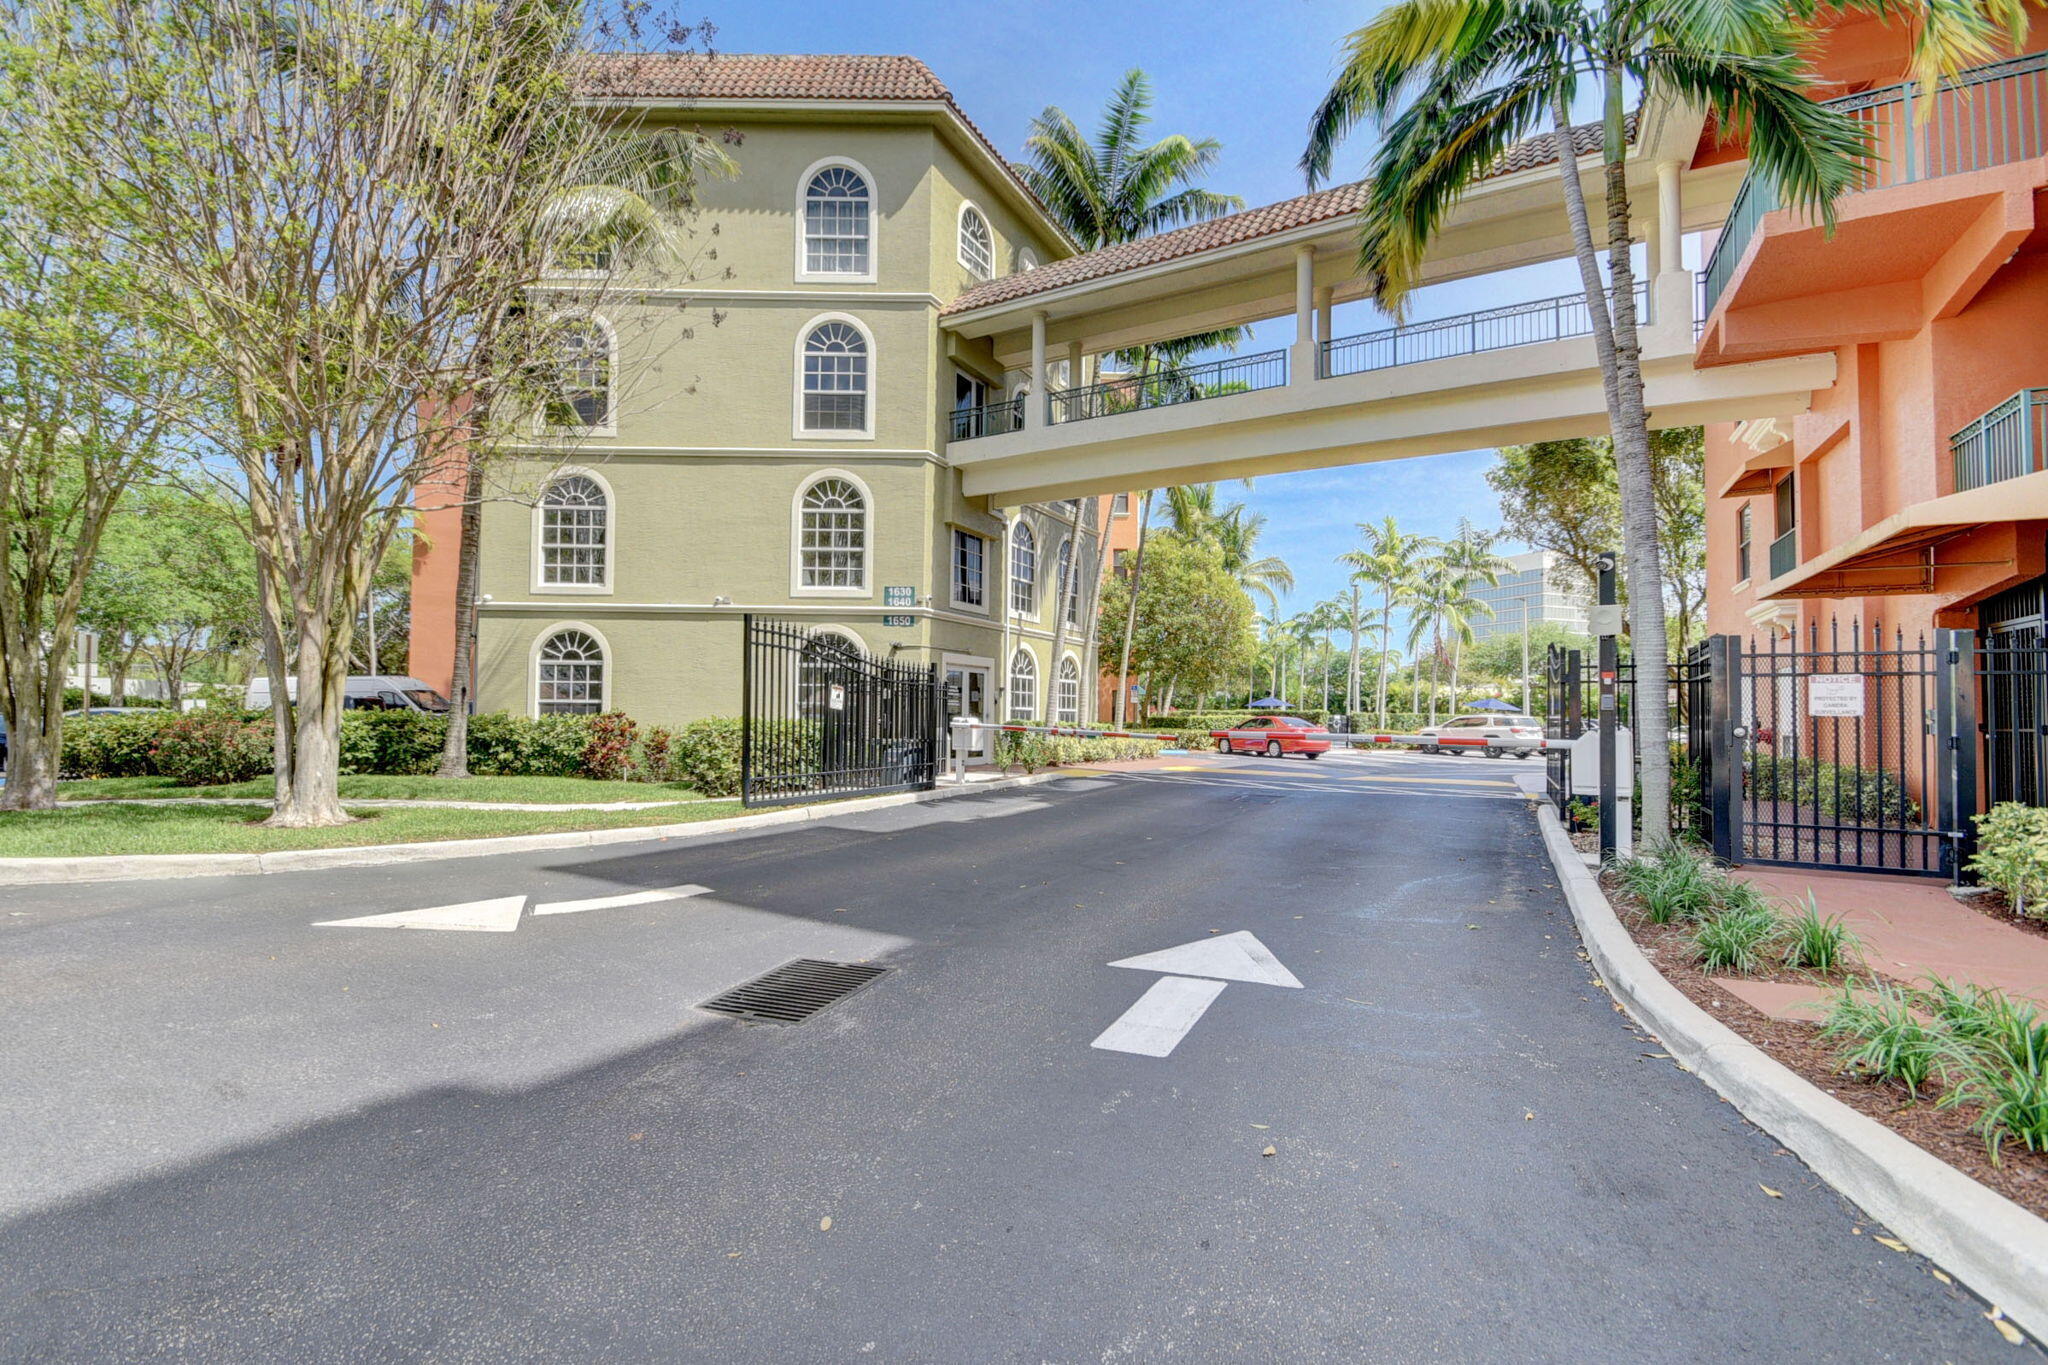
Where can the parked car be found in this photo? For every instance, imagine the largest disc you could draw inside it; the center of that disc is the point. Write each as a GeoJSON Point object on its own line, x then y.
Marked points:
{"type": "Point", "coordinates": [116, 711]}
{"type": "Point", "coordinates": [1493, 736]}
{"type": "Point", "coordinates": [1273, 736]}
{"type": "Point", "coordinates": [363, 692]}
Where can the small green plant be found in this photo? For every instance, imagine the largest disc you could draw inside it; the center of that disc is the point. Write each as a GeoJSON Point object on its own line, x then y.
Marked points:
{"type": "Point", "coordinates": [1675, 882]}
{"type": "Point", "coordinates": [1583, 814]}
{"type": "Point", "coordinates": [2006, 1077]}
{"type": "Point", "coordinates": [1884, 1037]}
{"type": "Point", "coordinates": [1819, 943]}
{"type": "Point", "coordinates": [2012, 855]}
{"type": "Point", "coordinates": [1737, 939]}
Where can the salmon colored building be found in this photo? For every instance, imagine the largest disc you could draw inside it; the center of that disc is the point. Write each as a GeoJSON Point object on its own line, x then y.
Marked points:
{"type": "Point", "coordinates": [1913, 495]}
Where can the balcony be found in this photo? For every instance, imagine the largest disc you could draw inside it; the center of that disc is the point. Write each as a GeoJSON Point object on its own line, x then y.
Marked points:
{"type": "Point", "coordinates": [2005, 443]}
{"type": "Point", "coordinates": [1488, 329]}
{"type": "Point", "coordinates": [1785, 553]}
{"type": "Point", "coordinates": [1986, 117]}
{"type": "Point", "coordinates": [990, 419]}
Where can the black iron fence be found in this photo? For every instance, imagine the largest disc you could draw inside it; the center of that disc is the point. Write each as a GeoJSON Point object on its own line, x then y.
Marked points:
{"type": "Point", "coordinates": [1489, 329]}
{"type": "Point", "coordinates": [820, 719]}
{"type": "Point", "coordinates": [990, 419]}
{"type": "Point", "coordinates": [1165, 388]}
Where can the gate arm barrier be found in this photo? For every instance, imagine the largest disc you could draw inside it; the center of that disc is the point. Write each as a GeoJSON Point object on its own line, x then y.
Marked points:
{"type": "Point", "coordinates": [960, 725]}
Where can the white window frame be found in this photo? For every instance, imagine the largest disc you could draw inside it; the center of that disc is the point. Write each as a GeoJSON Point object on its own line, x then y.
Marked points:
{"type": "Point", "coordinates": [1010, 569]}
{"type": "Point", "coordinates": [796, 537]}
{"type": "Point", "coordinates": [1011, 690]}
{"type": "Point", "coordinates": [804, 275]}
{"type": "Point", "coordinates": [798, 430]}
{"type": "Point", "coordinates": [539, 583]}
{"type": "Point", "coordinates": [610, 425]}
{"type": "Point", "coordinates": [986, 271]}
{"type": "Point", "coordinates": [1059, 683]}
{"type": "Point", "coordinates": [1120, 504]}
{"type": "Point", "coordinates": [988, 577]}
{"type": "Point", "coordinates": [549, 632]}
{"type": "Point", "coordinates": [843, 633]}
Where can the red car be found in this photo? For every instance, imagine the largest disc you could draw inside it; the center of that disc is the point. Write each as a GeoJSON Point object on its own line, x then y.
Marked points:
{"type": "Point", "coordinates": [1273, 736]}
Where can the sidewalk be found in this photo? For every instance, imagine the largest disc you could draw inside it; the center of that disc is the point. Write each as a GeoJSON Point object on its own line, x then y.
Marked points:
{"type": "Point", "coordinates": [1911, 928]}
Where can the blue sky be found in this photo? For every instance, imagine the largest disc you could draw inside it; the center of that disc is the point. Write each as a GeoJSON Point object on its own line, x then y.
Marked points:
{"type": "Point", "coordinates": [1248, 75]}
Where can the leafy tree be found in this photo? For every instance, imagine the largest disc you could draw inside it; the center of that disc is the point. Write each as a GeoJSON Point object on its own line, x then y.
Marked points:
{"type": "Point", "coordinates": [370, 330]}
{"type": "Point", "coordinates": [1390, 560]}
{"type": "Point", "coordinates": [92, 381]}
{"type": "Point", "coordinates": [1455, 83]}
{"type": "Point", "coordinates": [1194, 623]}
{"type": "Point", "coordinates": [1562, 496]}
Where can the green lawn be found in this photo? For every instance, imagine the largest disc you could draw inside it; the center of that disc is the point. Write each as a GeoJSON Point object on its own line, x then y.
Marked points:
{"type": "Point", "coordinates": [90, 831]}
{"type": "Point", "coordinates": [376, 788]}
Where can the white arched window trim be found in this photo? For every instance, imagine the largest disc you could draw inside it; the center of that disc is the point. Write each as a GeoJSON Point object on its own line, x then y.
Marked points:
{"type": "Point", "coordinates": [611, 535]}
{"type": "Point", "coordinates": [803, 186]}
{"type": "Point", "coordinates": [1063, 714]}
{"type": "Point", "coordinates": [548, 632]}
{"type": "Point", "coordinates": [796, 537]}
{"type": "Point", "coordinates": [609, 426]}
{"type": "Point", "coordinates": [1037, 585]}
{"type": "Point", "coordinates": [1021, 687]}
{"type": "Point", "coordinates": [796, 386]}
{"type": "Point", "coordinates": [842, 633]}
{"type": "Point", "coordinates": [981, 270]}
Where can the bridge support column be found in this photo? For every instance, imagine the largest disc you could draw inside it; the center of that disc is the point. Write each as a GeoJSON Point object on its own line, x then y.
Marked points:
{"type": "Point", "coordinates": [1301, 360]}
{"type": "Point", "coordinates": [1037, 411]}
{"type": "Point", "coordinates": [1671, 285]}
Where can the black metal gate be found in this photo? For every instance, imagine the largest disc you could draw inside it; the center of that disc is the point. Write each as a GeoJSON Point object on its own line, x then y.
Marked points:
{"type": "Point", "coordinates": [2014, 667]}
{"type": "Point", "coordinates": [1854, 750]}
{"type": "Point", "coordinates": [819, 719]}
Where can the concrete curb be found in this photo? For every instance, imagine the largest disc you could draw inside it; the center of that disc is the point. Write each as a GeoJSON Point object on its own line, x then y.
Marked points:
{"type": "Point", "coordinates": [144, 866]}
{"type": "Point", "coordinates": [1991, 1244]}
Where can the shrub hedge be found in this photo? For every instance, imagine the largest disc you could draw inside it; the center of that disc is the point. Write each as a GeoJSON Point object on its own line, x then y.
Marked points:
{"type": "Point", "coordinates": [210, 747]}
{"type": "Point", "coordinates": [1032, 752]}
{"type": "Point", "coordinates": [1832, 789]}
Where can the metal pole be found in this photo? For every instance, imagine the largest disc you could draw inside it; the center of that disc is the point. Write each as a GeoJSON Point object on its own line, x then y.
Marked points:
{"type": "Point", "coordinates": [1610, 663]}
{"type": "Point", "coordinates": [1525, 656]}
{"type": "Point", "coordinates": [1724, 737]}
{"type": "Point", "coordinates": [1963, 740]}
{"type": "Point", "coordinates": [746, 707]}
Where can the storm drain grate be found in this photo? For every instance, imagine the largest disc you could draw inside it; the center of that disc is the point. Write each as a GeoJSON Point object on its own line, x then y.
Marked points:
{"type": "Point", "coordinates": [794, 991]}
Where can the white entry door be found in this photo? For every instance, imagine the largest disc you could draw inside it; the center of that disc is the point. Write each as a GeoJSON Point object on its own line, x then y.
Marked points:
{"type": "Point", "coordinates": [971, 682]}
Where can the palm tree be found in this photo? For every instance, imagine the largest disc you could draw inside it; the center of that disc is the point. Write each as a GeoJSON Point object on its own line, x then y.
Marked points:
{"type": "Point", "coordinates": [1454, 83]}
{"type": "Point", "coordinates": [1117, 189]}
{"type": "Point", "coordinates": [1237, 534]}
{"type": "Point", "coordinates": [1468, 558]}
{"type": "Point", "coordinates": [1354, 619]}
{"type": "Point", "coordinates": [1388, 561]}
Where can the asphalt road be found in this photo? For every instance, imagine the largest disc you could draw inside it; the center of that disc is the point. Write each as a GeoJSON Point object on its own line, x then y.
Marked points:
{"type": "Point", "coordinates": [227, 1134]}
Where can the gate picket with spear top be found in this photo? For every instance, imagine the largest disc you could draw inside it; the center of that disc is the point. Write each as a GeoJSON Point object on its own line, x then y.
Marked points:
{"type": "Point", "coordinates": [820, 719]}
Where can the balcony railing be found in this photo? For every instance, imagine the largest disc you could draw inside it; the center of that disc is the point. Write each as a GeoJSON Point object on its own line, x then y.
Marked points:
{"type": "Point", "coordinates": [990, 419]}
{"type": "Point", "coordinates": [1985, 117]}
{"type": "Point", "coordinates": [1184, 384]}
{"type": "Point", "coordinates": [1490, 329]}
{"type": "Point", "coordinates": [2005, 443]}
{"type": "Point", "coordinates": [1785, 553]}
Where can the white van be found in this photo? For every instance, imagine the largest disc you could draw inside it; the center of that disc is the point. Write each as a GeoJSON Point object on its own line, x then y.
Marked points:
{"type": "Point", "coordinates": [364, 692]}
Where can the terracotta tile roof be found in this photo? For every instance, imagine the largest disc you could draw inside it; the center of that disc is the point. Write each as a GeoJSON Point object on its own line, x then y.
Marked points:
{"type": "Point", "coordinates": [762, 76]}
{"type": "Point", "coordinates": [1336, 202]}
{"type": "Point", "coordinates": [787, 76]}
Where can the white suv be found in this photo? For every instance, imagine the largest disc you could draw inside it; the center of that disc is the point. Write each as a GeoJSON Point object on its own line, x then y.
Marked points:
{"type": "Point", "coordinates": [1492, 735]}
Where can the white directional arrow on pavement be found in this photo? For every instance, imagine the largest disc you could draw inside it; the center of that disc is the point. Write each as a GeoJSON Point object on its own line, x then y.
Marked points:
{"type": "Point", "coordinates": [499, 915]}
{"type": "Point", "coordinates": [666, 893]}
{"type": "Point", "coordinates": [1164, 1013]}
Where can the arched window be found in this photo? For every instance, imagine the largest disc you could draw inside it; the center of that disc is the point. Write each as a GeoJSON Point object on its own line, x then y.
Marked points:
{"type": "Point", "coordinates": [836, 223]}
{"type": "Point", "coordinates": [1067, 705]}
{"type": "Point", "coordinates": [832, 536]}
{"type": "Point", "coordinates": [977, 243]}
{"type": "Point", "coordinates": [583, 383]}
{"type": "Point", "coordinates": [570, 674]}
{"type": "Point", "coordinates": [1070, 584]}
{"type": "Point", "coordinates": [1023, 570]}
{"type": "Point", "coordinates": [1026, 260]}
{"type": "Point", "coordinates": [1023, 685]}
{"type": "Point", "coordinates": [575, 534]}
{"type": "Point", "coordinates": [835, 395]}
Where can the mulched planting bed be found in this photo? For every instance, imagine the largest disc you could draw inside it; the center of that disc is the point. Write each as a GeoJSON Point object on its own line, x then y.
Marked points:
{"type": "Point", "coordinates": [2020, 1176]}
{"type": "Point", "coordinates": [1993, 905]}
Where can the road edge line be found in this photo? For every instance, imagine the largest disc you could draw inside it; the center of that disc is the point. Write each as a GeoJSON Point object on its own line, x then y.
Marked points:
{"type": "Point", "coordinates": [1992, 1245]}
{"type": "Point", "coordinates": [116, 867]}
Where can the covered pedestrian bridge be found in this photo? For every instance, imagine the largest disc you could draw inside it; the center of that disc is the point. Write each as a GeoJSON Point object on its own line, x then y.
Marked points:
{"type": "Point", "coordinates": [1521, 370]}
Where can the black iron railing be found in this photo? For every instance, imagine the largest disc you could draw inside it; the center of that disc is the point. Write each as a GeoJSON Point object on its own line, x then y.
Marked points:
{"type": "Point", "coordinates": [820, 719]}
{"type": "Point", "coordinates": [1785, 553]}
{"type": "Point", "coordinates": [1165, 388]}
{"type": "Point", "coordinates": [1489, 329]}
{"type": "Point", "coordinates": [990, 419]}
{"type": "Point", "coordinates": [2005, 443]}
{"type": "Point", "coordinates": [1985, 117]}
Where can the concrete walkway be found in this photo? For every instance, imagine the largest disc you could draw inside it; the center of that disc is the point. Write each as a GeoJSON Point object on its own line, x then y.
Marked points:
{"type": "Point", "coordinates": [379, 801]}
{"type": "Point", "coordinates": [1911, 928]}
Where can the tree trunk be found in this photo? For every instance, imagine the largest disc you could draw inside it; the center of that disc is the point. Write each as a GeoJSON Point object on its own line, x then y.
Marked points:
{"type": "Point", "coordinates": [1619, 347]}
{"type": "Point", "coordinates": [1351, 671]}
{"type": "Point", "coordinates": [1386, 646]}
{"type": "Point", "coordinates": [1123, 671]}
{"type": "Point", "coordinates": [1069, 582]}
{"type": "Point", "coordinates": [462, 687]}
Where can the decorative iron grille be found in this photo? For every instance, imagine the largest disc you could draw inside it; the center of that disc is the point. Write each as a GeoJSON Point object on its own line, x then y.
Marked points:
{"type": "Point", "coordinates": [820, 719]}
